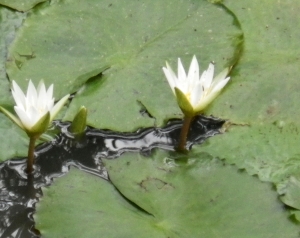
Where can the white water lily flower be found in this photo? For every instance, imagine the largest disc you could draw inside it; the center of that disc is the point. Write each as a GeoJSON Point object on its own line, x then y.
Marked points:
{"type": "Point", "coordinates": [36, 109]}
{"type": "Point", "coordinates": [194, 93]}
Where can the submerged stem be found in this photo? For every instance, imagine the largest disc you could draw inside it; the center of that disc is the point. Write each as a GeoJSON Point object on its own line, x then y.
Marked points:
{"type": "Point", "coordinates": [30, 159]}
{"type": "Point", "coordinates": [184, 133]}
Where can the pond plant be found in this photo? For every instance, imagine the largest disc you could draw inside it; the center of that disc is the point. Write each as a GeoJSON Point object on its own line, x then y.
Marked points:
{"type": "Point", "coordinates": [194, 94]}
{"type": "Point", "coordinates": [114, 167]}
{"type": "Point", "coordinates": [35, 110]}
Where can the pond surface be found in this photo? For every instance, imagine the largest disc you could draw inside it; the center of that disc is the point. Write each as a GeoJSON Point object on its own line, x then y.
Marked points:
{"type": "Point", "coordinates": [19, 194]}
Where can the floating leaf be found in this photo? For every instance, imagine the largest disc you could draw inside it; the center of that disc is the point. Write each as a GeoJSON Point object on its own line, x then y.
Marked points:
{"type": "Point", "coordinates": [9, 22]}
{"type": "Point", "coordinates": [263, 96]}
{"type": "Point", "coordinates": [13, 140]}
{"type": "Point", "coordinates": [203, 198]}
{"type": "Point", "coordinates": [269, 151]}
{"type": "Point", "coordinates": [21, 5]}
{"type": "Point", "coordinates": [265, 83]}
{"type": "Point", "coordinates": [125, 44]}
{"type": "Point", "coordinates": [290, 191]}
{"type": "Point", "coordinates": [83, 205]}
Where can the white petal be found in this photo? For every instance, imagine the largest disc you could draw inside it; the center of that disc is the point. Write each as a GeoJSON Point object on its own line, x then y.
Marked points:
{"type": "Point", "coordinates": [193, 76]}
{"type": "Point", "coordinates": [31, 94]}
{"type": "Point", "coordinates": [181, 81]}
{"type": "Point", "coordinates": [181, 71]}
{"type": "Point", "coordinates": [34, 114]}
{"type": "Point", "coordinates": [170, 79]}
{"type": "Point", "coordinates": [207, 77]}
{"type": "Point", "coordinates": [18, 94]}
{"type": "Point", "coordinates": [50, 104]}
{"type": "Point", "coordinates": [41, 87]}
{"type": "Point", "coordinates": [182, 85]}
{"type": "Point", "coordinates": [221, 76]}
{"type": "Point", "coordinates": [220, 85]}
{"type": "Point", "coordinates": [42, 96]}
{"type": "Point", "coordinates": [212, 95]}
{"type": "Point", "coordinates": [50, 99]}
{"type": "Point", "coordinates": [58, 106]}
{"type": "Point", "coordinates": [171, 71]}
{"type": "Point", "coordinates": [50, 92]}
{"type": "Point", "coordinates": [20, 102]}
{"type": "Point", "coordinates": [196, 94]}
{"type": "Point", "coordinates": [25, 120]}
{"type": "Point", "coordinates": [27, 104]}
{"type": "Point", "coordinates": [206, 100]}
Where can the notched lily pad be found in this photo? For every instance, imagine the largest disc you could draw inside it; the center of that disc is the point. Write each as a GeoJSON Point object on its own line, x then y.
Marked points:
{"type": "Point", "coordinates": [200, 198]}
{"type": "Point", "coordinates": [83, 205]}
{"type": "Point", "coordinates": [13, 140]}
{"type": "Point", "coordinates": [265, 83]}
{"type": "Point", "coordinates": [290, 191]}
{"type": "Point", "coordinates": [264, 93]}
{"type": "Point", "coordinates": [74, 40]}
{"type": "Point", "coordinates": [269, 151]}
{"type": "Point", "coordinates": [10, 21]}
{"type": "Point", "coordinates": [21, 5]}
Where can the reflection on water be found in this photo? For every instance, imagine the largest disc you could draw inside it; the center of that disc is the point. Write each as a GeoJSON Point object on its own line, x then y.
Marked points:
{"type": "Point", "coordinates": [19, 194]}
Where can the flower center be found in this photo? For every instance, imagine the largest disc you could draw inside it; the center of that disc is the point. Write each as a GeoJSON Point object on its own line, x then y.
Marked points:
{"type": "Point", "coordinates": [41, 111]}
{"type": "Point", "coordinates": [188, 96]}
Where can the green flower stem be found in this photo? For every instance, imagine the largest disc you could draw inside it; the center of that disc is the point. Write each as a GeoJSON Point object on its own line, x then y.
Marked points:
{"type": "Point", "coordinates": [184, 133]}
{"type": "Point", "coordinates": [30, 159]}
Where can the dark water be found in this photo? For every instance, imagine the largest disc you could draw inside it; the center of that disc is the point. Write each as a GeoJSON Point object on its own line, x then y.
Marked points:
{"type": "Point", "coordinates": [19, 194]}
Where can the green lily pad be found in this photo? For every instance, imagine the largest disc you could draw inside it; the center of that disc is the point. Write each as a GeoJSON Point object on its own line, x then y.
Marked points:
{"type": "Point", "coordinates": [13, 140]}
{"type": "Point", "coordinates": [290, 190]}
{"type": "Point", "coordinates": [9, 22]}
{"type": "Point", "coordinates": [83, 205]}
{"type": "Point", "coordinates": [124, 45]}
{"type": "Point", "coordinates": [16, 144]}
{"type": "Point", "coordinates": [202, 198]}
{"type": "Point", "coordinates": [265, 84]}
{"type": "Point", "coordinates": [71, 41]}
{"type": "Point", "coordinates": [269, 151]}
{"type": "Point", "coordinates": [21, 5]}
{"type": "Point", "coordinates": [262, 99]}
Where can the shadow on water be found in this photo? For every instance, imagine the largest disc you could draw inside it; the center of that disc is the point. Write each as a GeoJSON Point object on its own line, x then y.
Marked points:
{"type": "Point", "coordinates": [19, 194]}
